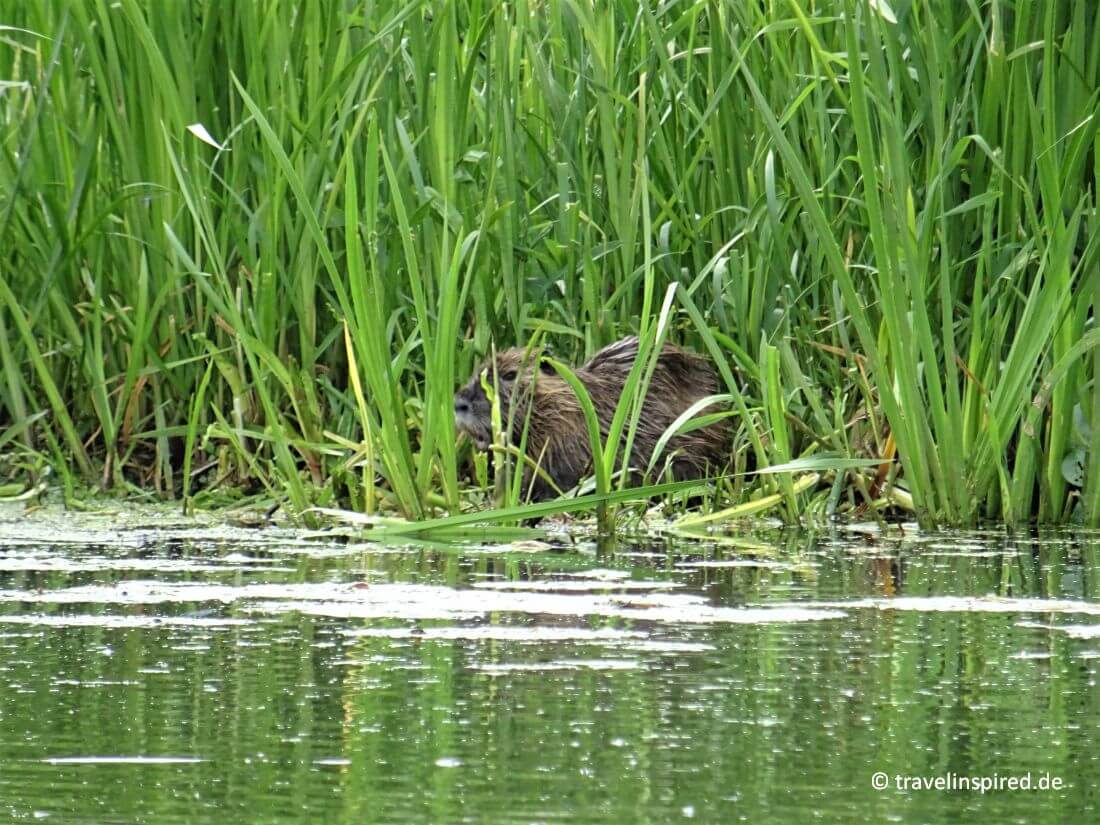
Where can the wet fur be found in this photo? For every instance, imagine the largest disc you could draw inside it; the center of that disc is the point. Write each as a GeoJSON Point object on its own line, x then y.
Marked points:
{"type": "Point", "coordinates": [557, 436]}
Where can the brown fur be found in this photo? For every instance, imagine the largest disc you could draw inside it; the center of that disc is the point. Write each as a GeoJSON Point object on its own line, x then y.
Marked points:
{"type": "Point", "coordinates": [557, 436]}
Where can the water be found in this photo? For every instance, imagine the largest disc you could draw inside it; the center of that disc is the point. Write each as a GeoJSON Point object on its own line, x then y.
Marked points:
{"type": "Point", "coordinates": [219, 675]}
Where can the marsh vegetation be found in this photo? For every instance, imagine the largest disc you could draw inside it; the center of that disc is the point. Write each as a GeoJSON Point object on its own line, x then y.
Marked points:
{"type": "Point", "coordinates": [256, 247]}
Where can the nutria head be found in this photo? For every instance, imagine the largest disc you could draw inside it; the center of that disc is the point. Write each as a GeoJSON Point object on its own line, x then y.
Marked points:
{"type": "Point", "coordinates": [511, 375]}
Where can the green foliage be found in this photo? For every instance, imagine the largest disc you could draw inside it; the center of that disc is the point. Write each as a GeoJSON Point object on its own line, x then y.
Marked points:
{"type": "Point", "coordinates": [881, 223]}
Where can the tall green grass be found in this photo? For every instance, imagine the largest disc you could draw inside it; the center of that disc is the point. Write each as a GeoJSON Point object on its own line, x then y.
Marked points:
{"type": "Point", "coordinates": [879, 219]}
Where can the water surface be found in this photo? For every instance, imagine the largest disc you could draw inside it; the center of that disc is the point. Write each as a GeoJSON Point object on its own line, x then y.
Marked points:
{"type": "Point", "coordinates": [194, 674]}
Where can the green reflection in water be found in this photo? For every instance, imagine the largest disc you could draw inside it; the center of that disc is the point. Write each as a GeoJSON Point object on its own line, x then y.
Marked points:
{"type": "Point", "coordinates": [299, 718]}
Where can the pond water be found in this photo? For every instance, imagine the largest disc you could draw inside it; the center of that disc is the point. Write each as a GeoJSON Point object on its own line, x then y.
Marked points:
{"type": "Point", "coordinates": [198, 674]}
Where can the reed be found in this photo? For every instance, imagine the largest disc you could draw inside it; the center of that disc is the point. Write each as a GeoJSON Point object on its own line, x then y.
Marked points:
{"type": "Point", "coordinates": [258, 246]}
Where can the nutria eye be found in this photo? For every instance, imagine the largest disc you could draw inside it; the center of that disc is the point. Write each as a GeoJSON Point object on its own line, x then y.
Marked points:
{"type": "Point", "coordinates": [510, 375]}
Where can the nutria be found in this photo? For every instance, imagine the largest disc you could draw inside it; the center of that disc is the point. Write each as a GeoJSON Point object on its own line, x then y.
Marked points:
{"type": "Point", "coordinates": [557, 436]}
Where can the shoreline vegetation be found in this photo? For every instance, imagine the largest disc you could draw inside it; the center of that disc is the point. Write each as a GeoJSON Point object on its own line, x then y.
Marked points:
{"type": "Point", "coordinates": [248, 251]}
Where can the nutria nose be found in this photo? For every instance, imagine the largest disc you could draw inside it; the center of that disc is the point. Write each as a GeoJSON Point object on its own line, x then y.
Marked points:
{"type": "Point", "coordinates": [462, 406]}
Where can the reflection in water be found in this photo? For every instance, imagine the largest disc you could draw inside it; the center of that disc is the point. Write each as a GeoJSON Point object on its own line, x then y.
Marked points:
{"type": "Point", "coordinates": [270, 678]}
